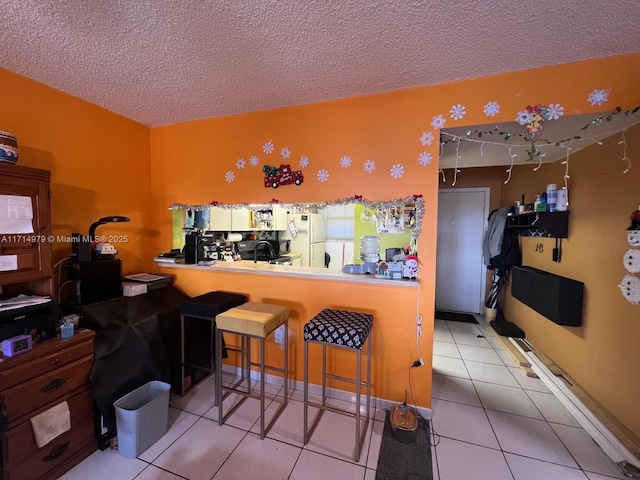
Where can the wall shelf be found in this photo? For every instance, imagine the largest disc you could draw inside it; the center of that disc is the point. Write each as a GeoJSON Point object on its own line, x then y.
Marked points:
{"type": "Point", "coordinates": [541, 224]}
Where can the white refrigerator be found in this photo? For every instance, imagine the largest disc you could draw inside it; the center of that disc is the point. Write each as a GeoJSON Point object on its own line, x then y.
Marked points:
{"type": "Point", "coordinates": [308, 237]}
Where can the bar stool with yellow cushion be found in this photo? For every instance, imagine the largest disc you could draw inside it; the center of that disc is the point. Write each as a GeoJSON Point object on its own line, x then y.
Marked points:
{"type": "Point", "coordinates": [347, 330]}
{"type": "Point", "coordinates": [252, 320]}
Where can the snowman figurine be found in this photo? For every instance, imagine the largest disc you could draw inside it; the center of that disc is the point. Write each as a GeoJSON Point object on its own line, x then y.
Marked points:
{"type": "Point", "coordinates": [411, 267]}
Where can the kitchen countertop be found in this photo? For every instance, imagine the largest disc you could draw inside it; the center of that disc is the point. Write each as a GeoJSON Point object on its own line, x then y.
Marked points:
{"type": "Point", "coordinates": [264, 268]}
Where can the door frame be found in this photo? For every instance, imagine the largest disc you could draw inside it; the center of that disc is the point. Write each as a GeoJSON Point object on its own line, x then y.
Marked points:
{"type": "Point", "coordinates": [485, 222]}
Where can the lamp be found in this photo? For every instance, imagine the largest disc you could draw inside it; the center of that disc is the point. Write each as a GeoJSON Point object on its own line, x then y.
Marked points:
{"type": "Point", "coordinates": [81, 245]}
{"type": "Point", "coordinates": [102, 221]}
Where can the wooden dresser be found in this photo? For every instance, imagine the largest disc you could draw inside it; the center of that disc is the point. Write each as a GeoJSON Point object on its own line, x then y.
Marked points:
{"type": "Point", "coordinates": [54, 371]}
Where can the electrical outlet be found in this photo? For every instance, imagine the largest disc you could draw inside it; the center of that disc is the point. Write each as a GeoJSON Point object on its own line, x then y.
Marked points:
{"type": "Point", "coordinates": [280, 335]}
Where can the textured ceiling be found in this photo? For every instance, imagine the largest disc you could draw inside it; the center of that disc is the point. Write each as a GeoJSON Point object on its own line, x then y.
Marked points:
{"type": "Point", "coordinates": [167, 61]}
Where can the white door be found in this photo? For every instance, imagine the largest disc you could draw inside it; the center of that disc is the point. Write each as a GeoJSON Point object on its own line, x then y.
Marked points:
{"type": "Point", "coordinates": [460, 271]}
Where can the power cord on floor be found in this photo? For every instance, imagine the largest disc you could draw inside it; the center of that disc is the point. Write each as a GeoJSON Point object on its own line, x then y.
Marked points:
{"type": "Point", "coordinates": [434, 438]}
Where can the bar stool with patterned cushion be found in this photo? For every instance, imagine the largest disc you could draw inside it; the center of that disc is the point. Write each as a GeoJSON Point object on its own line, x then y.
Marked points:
{"type": "Point", "coordinates": [252, 321]}
{"type": "Point", "coordinates": [343, 329]}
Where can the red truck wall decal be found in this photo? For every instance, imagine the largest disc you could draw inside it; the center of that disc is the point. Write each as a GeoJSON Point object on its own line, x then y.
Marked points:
{"type": "Point", "coordinates": [274, 177]}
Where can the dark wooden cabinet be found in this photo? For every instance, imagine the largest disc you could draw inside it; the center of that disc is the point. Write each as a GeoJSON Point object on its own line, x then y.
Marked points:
{"type": "Point", "coordinates": [30, 383]}
{"type": "Point", "coordinates": [32, 250]}
{"type": "Point", "coordinates": [542, 224]}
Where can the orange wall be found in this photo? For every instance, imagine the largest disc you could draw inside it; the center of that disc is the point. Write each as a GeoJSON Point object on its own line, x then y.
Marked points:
{"type": "Point", "coordinates": [99, 163]}
{"type": "Point", "coordinates": [190, 161]}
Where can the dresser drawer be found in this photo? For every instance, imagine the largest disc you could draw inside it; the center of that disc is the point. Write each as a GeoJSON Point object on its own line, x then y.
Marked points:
{"type": "Point", "coordinates": [23, 399]}
{"type": "Point", "coordinates": [44, 364]}
{"type": "Point", "coordinates": [55, 457]}
{"type": "Point", "coordinates": [20, 443]}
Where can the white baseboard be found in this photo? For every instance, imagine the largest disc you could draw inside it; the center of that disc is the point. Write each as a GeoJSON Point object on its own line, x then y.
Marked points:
{"type": "Point", "coordinates": [626, 461]}
{"type": "Point", "coordinates": [379, 403]}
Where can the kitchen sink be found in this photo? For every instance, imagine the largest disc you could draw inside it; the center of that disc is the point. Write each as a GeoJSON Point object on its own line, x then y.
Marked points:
{"type": "Point", "coordinates": [282, 260]}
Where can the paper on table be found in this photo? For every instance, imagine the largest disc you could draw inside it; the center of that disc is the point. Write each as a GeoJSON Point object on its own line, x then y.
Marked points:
{"type": "Point", "coordinates": [16, 214]}
{"type": "Point", "coordinates": [144, 277]}
{"type": "Point", "coordinates": [8, 263]}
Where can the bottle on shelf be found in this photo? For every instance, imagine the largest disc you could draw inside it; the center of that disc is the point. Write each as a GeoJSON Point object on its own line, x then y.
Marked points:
{"type": "Point", "coordinates": [552, 197]}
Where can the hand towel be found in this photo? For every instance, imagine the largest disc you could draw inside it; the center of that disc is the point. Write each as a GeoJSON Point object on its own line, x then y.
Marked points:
{"type": "Point", "coordinates": [51, 423]}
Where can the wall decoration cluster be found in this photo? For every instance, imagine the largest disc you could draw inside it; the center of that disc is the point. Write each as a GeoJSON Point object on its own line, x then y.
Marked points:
{"type": "Point", "coordinates": [630, 285]}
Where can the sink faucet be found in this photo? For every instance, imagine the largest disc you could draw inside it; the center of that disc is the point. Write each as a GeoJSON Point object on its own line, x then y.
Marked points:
{"type": "Point", "coordinates": [255, 250]}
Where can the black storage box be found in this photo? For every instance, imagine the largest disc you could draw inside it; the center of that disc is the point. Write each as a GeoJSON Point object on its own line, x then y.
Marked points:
{"type": "Point", "coordinates": [555, 297]}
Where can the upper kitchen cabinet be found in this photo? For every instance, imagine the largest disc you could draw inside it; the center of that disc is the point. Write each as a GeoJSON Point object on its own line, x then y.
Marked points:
{"type": "Point", "coordinates": [220, 219]}
{"type": "Point", "coordinates": [272, 218]}
{"type": "Point", "coordinates": [25, 230]}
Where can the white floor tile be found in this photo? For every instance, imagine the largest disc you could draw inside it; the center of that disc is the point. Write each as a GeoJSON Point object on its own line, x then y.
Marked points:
{"type": "Point", "coordinates": [524, 468]}
{"type": "Point", "coordinates": [494, 342]}
{"type": "Point", "coordinates": [479, 354]}
{"type": "Point", "coordinates": [434, 459]}
{"type": "Point", "coordinates": [463, 327]}
{"type": "Point", "coordinates": [597, 476]}
{"type": "Point", "coordinates": [506, 358]}
{"type": "Point", "coordinates": [443, 336]}
{"type": "Point", "coordinates": [463, 422]}
{"type": "Point", "coordinates": [314, 466]}
{"type": "Point", "coordinates": [374, 445]}
{"type": "Point", "coordinates": [528, 383]}
{"type": "Point", "coordinates": [245, 416]}
{"type": "Point", "coordinates": [552, 409]}
{"type": "Point", "coordinates": [587, 453]}
{"type": "Point", "coordinates": [506, 399]}
{"type": "Point", "coordinates": [446, 349]}
{"type": "Point", "coordinates": [254, 458]}
{"type": "Point", "coordinates": [335, 436]}
{"type": "Point", "coordinates": [470, 339]}
{"type": "Point", "coordinates": [530, 438]}
{"type": "Point", "coordinates": [289, 426]}
{"type": "Point", "coordinates": [453, 367]}
{"type": "Point", "coordinates": [484, 372]}
{"type": "Point", "coordinates": [440, 325]}
{"type": "Point", "coordinates": [199, 399]}
{"type": "Point", "coordinates": [201, 451]}
{"type": "Point", "coordinates": [154, 473]}
{"type": "Point", "coordinates": [459, 460]}
{"type": "Point", "coordinates": [106, 465]}
{"type": "Point", "coordinates": [370, 474]}
{"type": "Point", "coordinates": [179, 422]}
{"type": "Point", "coordinates": [455, 389]}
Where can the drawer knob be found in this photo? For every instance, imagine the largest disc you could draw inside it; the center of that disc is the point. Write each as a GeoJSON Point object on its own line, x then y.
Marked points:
{"type": "Point", "coordinates": [56, 451]}
{"type": "Point", "coordinates": [54, 384]}
{"type": "Point", "coordinates": [53, 362]}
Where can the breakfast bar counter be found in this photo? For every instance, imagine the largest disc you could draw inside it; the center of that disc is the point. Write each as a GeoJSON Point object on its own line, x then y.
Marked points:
{"type": "Point", "coordinates": [263, 268]}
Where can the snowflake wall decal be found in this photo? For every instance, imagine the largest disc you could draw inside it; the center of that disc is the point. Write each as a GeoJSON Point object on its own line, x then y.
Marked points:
{"type": "Point", "coordinates": [598, 97]}
{"type": "Point", "coordinates": [240, 163]}
{"type": "Point", "coordinates": [304, 162]}
{"type": "Point", "coordinates": [555, 111]}
{"type": "Point", "coordinates": [285, 153]}
{"type": "Point", "coordinates": [424, 158]}
{"type": "Point", "coordinates": [369, 166]}
{"type": "Point", "coordinates": [253, 161]}
{"type": "Point", "coordinates": [491, 109]}
{"type": "Point", "coordinates": [229, 176]}
{"type": "Point", "coordinates": [457, 111]}
{"type": "Point", "coordinates": [268, 148]}
{"type": "Point", "coordinates": [323, 175]}
{"type": "Point", "coordinates": [426, 138]}
{"type": "Point", "coordinates": [438, 121]}
{"type": "Point", "coordinates": [397, 170]}
{"type": "Point", "coordinates": [345, 162]}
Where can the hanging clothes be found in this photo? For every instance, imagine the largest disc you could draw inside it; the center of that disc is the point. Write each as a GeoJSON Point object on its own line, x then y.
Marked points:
{"type": "Point", "coordinates": [493, 236]}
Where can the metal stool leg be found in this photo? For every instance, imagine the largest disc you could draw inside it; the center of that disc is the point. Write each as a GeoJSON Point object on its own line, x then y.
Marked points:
{"type": "Point", "coordinates": [358, 390]}
{"type": "Point", "coordinates": [219, 376]}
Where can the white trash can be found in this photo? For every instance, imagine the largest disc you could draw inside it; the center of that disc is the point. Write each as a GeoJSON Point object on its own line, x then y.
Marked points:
{"type": "Point", "coordinates": [142, 417]}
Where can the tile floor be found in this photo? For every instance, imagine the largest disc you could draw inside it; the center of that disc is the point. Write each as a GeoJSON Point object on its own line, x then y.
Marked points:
{"type": "Point", "coordinates": [493, 423]}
